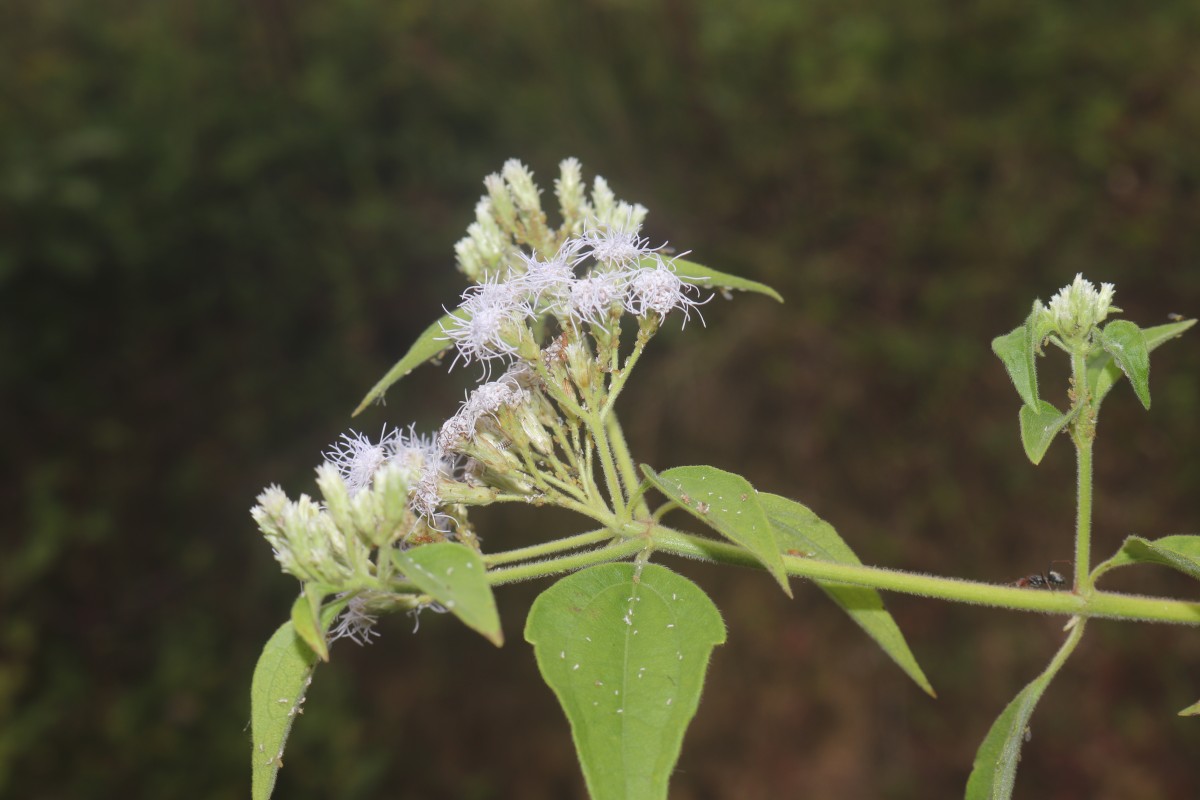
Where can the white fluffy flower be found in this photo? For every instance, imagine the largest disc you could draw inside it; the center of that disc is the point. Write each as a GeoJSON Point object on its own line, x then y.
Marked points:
{"type": "Point", "coordinates": [547, 283]}
{"type": "Point", "coordinates": [658, 290]}
{"type": "Point", "coordinates": [593, 298]}
{"type": "Point", "coordinates": [357, 458]}
{"type": "Point", "coordinates": [491, 312]}
{"type": "Point", "coordinates": [615, 245]}
{"type": "Point", "coordinates": [485, 400]}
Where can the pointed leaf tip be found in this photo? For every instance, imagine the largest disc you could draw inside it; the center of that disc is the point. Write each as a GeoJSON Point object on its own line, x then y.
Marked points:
{"type": "Point", "coordinates": [1191, 711]}
{"type": "Point", "coordinates": [1102, 370]}
{"type": "Point", "coordinates": [1180, 552]}
{"type": "Point", "coordinates": [1039, 426]}
{"type": "Point", "coordinates": [1126, 343]}
{"type": "Point", "coordinates": [728, 504]}
{"type": "Point", "coordinates": [1016, 350]}
{"type": "Point", "coordinates": [798, 528]}
{"type": "Point", "coordinates": [306, 613]}
{"type": "Point", "coordinates": [429, 345]}
{"type": "Point", "coordinates": [697, 275]}
{"type": "Point", "coordinates": [455, 576]}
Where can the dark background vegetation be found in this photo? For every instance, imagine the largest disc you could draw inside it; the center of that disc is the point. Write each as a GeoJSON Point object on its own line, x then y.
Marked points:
{"type": "Point", "coordinates": [220, 223]}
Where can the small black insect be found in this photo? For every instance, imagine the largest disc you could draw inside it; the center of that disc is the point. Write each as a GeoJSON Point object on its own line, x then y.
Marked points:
{"type": "Point", "coordinates": [1050, 579]}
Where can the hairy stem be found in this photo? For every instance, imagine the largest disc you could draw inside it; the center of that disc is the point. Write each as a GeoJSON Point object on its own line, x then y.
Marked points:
{"type": "Point", "coordinates": [1096, 604]}
{"type": "Point", "coordinates": [625, 464]}
{"type": "Point", "coordinates": [1083, 434]}
{"type": "Point", "coordinates": [607, 465]}
{"type": "Point", "coordinates": [554, 566]}
{"type": "Point", "coordinates": [548, 548]}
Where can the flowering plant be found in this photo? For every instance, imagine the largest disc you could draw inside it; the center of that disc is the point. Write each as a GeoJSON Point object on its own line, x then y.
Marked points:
{"type": "Point", "coordinates": [556, 320]}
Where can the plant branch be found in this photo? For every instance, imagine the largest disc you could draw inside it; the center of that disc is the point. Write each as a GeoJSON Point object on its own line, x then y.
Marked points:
{"type": "Point", "coordinates": [1083, 434]}
{"type": "Point", "coordinates": [625, 464]}
{"type": "Point", "coordinates": [1097, 604]}
{"type": "Point", "coordinates": [553, 566]}
{"type": "Point", "coordinates": [547, 548]}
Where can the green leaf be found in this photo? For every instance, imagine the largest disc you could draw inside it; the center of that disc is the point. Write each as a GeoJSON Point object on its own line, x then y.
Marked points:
{"type": "Point", "coordinates": [306, 614]}
{"type": "Point", "coordinates": [454, 575]}
{"type": "Point", "coordinates": [1039, 427]}
{"type": "Point", "coordinates": [311, 620]}
{"type": "Point", "coordinates": [697, 275]}
{"type": "Point", "coordinates": [281, 678]}
{"type": "Point", "coordinates": [625, 649]}
{"type": "Point", "coordinates": [797, 528]}
{"type": "Point", "coordinates": [729, 505]}
{"type": "Point", "coordinates": [995, 769]}
{"type": "Point", "coordinates": [1016, 350]}
{"type": "Point", "coordinates": [1191, 711]}
{"type": "Point", "coordinates": [1125, 342]}
{"type": "Point", "coordinates": [1180, 552]}
{"type": "Point", "coordinates": [429, 345]}
{"type": "Point", "coordinates": [1103, 372]}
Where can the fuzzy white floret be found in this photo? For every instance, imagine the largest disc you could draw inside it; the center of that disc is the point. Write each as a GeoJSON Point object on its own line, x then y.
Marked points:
{"type": "Point", "coordinates": [357, 458]}
{"type": "Point", "coordinates": [658, 290]}
{"type": "Point", "coordinates": [490, 310]}
{"type": "Point", "coordinates": [593, 298]}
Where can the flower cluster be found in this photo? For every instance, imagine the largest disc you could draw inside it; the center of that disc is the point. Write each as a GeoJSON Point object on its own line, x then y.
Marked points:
{"type": "Point", "coordinates": [364, 509]}
{"type": "Point", "coordinates": [590, 280]}
{"type": "Point", "coordinates": [1078, 308]}
{"type": "Point", "coordinates": [510, 217]}
{"type": "Point", "coordinates": [548, 303]}
{"type": "Point", "coordinates": [358, 459]}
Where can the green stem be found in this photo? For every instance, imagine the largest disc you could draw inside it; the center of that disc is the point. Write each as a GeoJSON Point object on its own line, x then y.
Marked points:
{"type": "Point", "coordinates": [547, 548]}
{"type": "Point", "coordinates": [1095, 604]}
{"type": "Point", "coordinates": [1083, 517]}
{"type": "Point", "coordinates": [595, 511]}
{"type": "Point", "coordinates": [1083, 433]}
{"type": "Point", "coordinates": [607, 465]}
{"type": "Point", "coordinates": [553, 566]}
{"type": "Point", "coordinates": [625, 463]}
{"type": "Point", "coordinates": [555, 390]}
{"type": "Point", "coordinates": [1067, 648]}
{"type": "Point", "coordinates": [619, 380]}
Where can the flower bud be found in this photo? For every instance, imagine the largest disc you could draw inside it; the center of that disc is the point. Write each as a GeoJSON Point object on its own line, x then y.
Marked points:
{"type": "Point", "coordinates": [571, 201]}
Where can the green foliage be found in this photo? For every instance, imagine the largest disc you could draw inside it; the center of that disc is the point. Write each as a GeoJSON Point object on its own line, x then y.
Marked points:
{"type": "Point", "coordinates": [730, 506]}
{"type": "Point", "coordinates": [995, 772]}
{"type": "Point", "coordinates": [1125, 342]}
{"type": "Point", "coordinates": [801, 532]}
{"type": "Point", "coordinates": [1019, 349]}
{"type": "Point", "coordinates": [306, 618]}
{"type": "Point", "coordinates": [277, 691]}
{"type": "Point", "coordinates": [455, 577]}
{"type": "Point", "coordinates": [431, 343]}
{"type": "Point", "coordinates": [1191, 711]}
{"type": "Point", "coordinates": [698, 275]}
{"type": "Point", "coordinates": [233, 213]}
{"type": "Point", "coordinates": [1039, 425]}
{"type": "Point", "coordinates": [1180, 552]}
{"type": "Point", "coordinates": [1103, 371]}
{"type": "Point", "coordinates": [625, 648]}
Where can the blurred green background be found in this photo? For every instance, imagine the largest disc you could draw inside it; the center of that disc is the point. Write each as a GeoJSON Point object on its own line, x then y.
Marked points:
{"type": "Point", "coordinates": [220, 223]}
